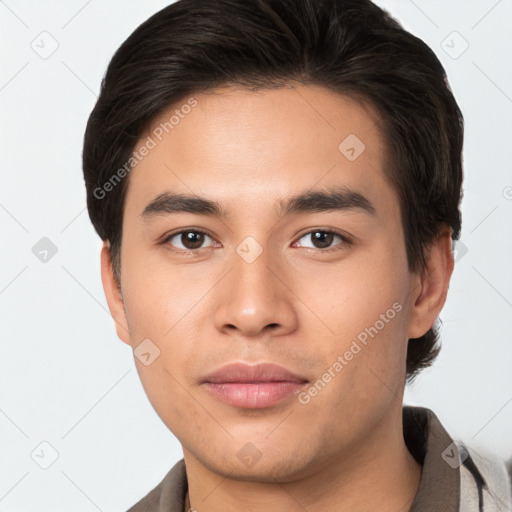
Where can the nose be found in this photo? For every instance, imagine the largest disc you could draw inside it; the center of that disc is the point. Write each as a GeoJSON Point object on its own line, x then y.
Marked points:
{"type": "Point", "coordinates": [255, 300]}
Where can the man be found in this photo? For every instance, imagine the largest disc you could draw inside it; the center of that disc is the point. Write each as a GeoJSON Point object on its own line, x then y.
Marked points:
{"type": "Point", "coordinates": [277, 184]}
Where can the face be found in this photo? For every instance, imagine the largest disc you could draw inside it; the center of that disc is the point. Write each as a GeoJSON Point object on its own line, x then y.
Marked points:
{"type": "Point", "coordinates": [318, 286]}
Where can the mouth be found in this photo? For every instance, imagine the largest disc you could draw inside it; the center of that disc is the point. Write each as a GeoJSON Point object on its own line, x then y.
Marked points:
{"type": "Point", "coordinates": [253, 386]}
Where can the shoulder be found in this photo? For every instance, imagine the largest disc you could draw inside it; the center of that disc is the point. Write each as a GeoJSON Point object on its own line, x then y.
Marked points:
{"type": "Point", "coordinates": [455, 474]}
{"type": "Point", "coordinates": [485, 479]}
{"type": "Point", "coordinates": [168, 495]}
{"type": "Point", "coordinates": [150, 502]}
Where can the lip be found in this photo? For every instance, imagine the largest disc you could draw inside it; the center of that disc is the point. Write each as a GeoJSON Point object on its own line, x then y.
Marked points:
{"type": "Point", "coordinates": [253, 386]}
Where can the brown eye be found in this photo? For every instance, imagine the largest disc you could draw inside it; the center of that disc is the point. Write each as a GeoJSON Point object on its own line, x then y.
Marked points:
{"type": "Point", "coordinates": [188, 240]}
{"type": "Point", "coordinates": [192, 240]}
{"type": "Point", "coordinates": [323, 239]}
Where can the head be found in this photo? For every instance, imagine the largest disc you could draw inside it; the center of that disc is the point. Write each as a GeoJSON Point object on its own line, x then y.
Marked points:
{"type": "Point", "coordinates": [265, 108]}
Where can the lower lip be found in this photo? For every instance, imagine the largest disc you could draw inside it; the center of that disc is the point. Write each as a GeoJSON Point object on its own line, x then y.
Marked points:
{"type": "Point", "coordinates": [254, 395]}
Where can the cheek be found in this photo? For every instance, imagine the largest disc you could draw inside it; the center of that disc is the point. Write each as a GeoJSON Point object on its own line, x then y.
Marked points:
{"type": "Point", "coordinates": [158, 296]}
{"type": "Point", "coordinates": [351, 296]}
{"type": "Point", "coordinates": [367, 310]}
{"type": "Point", "coordinates": [167, 393]}
{"type": "Point", "coordinates": [163, 305]}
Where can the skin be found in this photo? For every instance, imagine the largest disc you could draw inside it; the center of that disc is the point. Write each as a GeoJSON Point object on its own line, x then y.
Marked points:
{"type": "Point", "coordinates": [344, 450]}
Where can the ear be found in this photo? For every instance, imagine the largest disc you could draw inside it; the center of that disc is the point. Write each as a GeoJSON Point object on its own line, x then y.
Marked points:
{"type": "Point", "coordinates": [431, 287]}
{"type": "Point", "coordinates": [113, 295]}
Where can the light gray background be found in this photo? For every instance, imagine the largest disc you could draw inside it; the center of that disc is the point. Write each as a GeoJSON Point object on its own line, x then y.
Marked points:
{"type": "Point", "coordinates": [65, 379]}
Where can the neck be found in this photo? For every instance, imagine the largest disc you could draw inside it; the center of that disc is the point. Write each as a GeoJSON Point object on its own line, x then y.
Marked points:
{"type": "Point", "coordinates": [381, 475]}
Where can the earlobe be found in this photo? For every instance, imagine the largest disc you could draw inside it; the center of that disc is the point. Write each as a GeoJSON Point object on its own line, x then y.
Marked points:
{"type": "Point", "coordinates": [433, 285]}
{"type": "Point", "coordinates": [113, 295]}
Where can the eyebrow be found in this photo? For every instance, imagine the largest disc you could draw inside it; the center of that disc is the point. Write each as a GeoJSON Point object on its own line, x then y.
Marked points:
{"type": "Point", "coordinates": [338, 199]}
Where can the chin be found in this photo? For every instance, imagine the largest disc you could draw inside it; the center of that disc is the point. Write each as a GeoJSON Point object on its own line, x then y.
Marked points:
{"type": "Point", "coordinates": [278, 467]}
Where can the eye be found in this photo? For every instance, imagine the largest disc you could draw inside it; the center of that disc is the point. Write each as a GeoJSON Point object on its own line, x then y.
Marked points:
{"type": "Point", "coordinates": [187, 240]}
{"type": "Point", "coordinates": [193, 239]}
{"type": "Point", "coordinates": [322, 239]}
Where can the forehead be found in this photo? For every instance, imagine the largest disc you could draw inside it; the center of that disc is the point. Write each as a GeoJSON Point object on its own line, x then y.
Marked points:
{"type": "Point", "coordinates": [243, 147]}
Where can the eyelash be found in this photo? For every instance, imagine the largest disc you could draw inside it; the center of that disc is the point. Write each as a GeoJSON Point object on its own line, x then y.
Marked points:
{"type": "Point", "coordinates": [346, 242]}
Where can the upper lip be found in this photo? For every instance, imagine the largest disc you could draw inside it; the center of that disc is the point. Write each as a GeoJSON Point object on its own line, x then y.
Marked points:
{"type": "Point", "coordinates": [246, 373]}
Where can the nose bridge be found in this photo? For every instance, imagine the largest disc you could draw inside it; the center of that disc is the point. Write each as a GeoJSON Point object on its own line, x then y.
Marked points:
{"type": "Point", "coordinates": [253, 277]}
{"type": "Point", "coordinates": [255, 297]}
